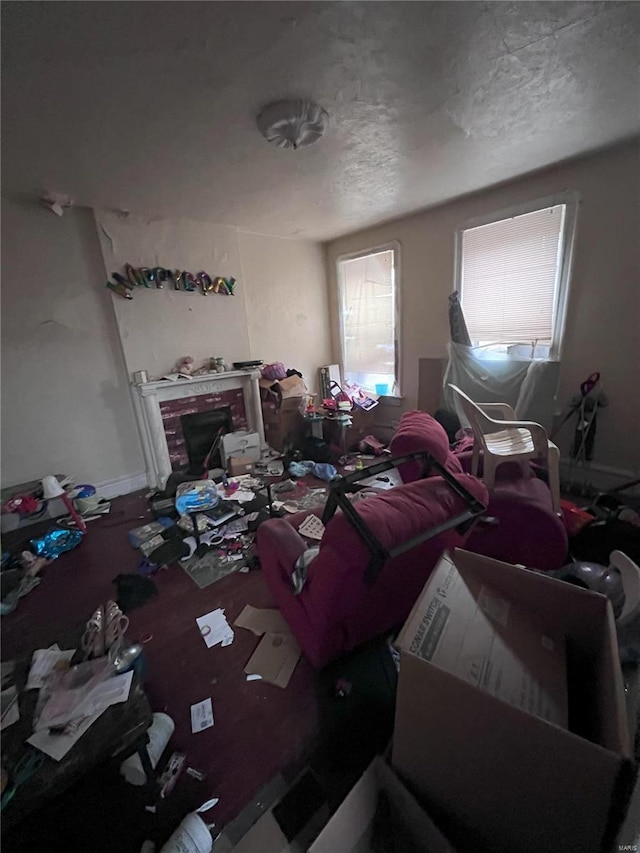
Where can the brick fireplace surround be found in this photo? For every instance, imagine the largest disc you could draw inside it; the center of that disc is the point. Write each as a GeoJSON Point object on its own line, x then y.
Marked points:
{"type": "Point", "coordinates": [160, 405]}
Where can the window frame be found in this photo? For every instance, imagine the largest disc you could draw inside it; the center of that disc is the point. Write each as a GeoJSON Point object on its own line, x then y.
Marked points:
{"type": "Point", "coordinates": [394, 246]}
{"type": "Point", "coordinates": [571, 200]}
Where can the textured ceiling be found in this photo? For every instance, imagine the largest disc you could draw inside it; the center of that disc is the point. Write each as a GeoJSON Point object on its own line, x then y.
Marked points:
{"type": "Point", "coordinates": [151, 107]}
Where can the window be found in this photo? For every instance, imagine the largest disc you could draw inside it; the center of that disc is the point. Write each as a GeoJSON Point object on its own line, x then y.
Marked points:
{"type": "Point", "coordinates": [369, 299]}
{"type": "Point", "coordinates": [512, 275]}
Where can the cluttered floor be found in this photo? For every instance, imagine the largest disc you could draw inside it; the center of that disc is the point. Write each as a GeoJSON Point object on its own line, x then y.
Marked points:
{"type": "Point", "coordinates": [263, 738]}
{"type": "Point", "coordinates": [243, 726]}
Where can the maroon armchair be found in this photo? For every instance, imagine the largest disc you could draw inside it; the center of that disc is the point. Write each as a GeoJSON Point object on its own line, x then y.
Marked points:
{"type": "Point", "coordinates": [519, 526]}
{"type": "Point", "coordinates": [343, 603]}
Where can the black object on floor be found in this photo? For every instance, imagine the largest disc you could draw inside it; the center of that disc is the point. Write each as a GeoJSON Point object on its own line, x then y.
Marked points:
{"type": "Point", "coordinates": [357, 725]}
{"type": "Point", "coordinates": [133, 591]}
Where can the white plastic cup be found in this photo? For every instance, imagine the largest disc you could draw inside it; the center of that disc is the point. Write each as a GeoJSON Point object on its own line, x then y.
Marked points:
{"type": "Point", "coordinates": [159, 733]}
{"type": "Point", "coordinates": [192, 836]}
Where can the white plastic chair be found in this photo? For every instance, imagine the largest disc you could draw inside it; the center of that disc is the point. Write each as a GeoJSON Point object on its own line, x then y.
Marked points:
{"type": "Point", "coordinates": [508, 440]}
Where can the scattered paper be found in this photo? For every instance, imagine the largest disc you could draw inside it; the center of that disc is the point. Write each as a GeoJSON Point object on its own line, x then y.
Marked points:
{"type": "Point", "coordinates": [260, 621]}
{"type": "Point", "coordinates": [312, 527]}
{"type": "Point", "coordinates": [274, 659]}
{"type": "Point", "coordinates": [215, 628]}
{"type": "Point", "coordinates": [7, 670]}
{"type": "Point", "coordinates": [201, 715]}
{"type": "Point", "coordinates": [253, 677]}
{"type": "Point", "coordinates": [44, 662]}
{"type": "Point", "coordinates": [65, 706]}
{"type": "Point", "coordinates": [110, 692]}
{"type": "Point", "coordinates": [9, 707]}
{"type": "Point", "coordinates": [58, 745]}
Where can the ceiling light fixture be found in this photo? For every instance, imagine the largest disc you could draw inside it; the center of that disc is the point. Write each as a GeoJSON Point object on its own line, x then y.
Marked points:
{"type": "Point", "coordinates": [293, 124]}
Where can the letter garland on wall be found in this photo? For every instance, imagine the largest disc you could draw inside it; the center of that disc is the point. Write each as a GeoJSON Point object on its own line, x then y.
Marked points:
{"type": "Point", "coordinates": [157, 277]}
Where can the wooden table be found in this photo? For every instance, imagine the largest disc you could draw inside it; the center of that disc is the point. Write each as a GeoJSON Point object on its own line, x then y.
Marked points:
{"type": "Point", "coordinates": [119, 732]}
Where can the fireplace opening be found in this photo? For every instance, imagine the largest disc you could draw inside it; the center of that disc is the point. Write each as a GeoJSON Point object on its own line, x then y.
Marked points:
{"type": "Point", "coordinates": [199, 430]}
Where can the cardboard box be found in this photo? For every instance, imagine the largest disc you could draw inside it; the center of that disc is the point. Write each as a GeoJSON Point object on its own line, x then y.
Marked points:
{"type": "Point", "coordinates": [352, 827]}
{"type": "Point", "coordinates": [240, 443]}
{"type": "Point", "coordinates": [378, 804]}
{"type": "Point", "coordinates": [241, 464]}
{"type": "Point", "coordinates": [493, 775]}
{"type": "Point", "coordinates": [292, 387]}
{"type": "Point", "coordinates": [283, 421]}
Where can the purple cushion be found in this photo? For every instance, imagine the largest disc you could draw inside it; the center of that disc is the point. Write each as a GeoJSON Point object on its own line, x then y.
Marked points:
{"type": "Point", "coordinates": [418, 432]}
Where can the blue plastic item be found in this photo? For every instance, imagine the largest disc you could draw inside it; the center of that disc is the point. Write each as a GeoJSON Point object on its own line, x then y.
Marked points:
{"type": "Point", "coordinates": [56, 542]}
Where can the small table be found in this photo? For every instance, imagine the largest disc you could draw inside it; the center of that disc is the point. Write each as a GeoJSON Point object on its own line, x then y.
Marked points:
{"type": "Point", "coordinates": [119, 732]}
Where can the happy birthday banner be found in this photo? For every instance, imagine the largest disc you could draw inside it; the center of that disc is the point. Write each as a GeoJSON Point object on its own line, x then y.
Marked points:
{"type": "Point", "coordinates": [157, 277]}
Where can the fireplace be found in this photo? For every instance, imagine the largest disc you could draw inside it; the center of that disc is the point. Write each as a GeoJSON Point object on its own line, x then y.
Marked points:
{"type": "Point", "coordinates": [162, 406]}
{"type": "Point", "coordinates": [200, 430]}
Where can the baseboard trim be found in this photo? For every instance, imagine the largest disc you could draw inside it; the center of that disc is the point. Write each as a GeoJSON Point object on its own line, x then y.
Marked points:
{"type": "Point", "coordinates": [601, 476]}
{"type": "Point", "coordinates": [122, 485]}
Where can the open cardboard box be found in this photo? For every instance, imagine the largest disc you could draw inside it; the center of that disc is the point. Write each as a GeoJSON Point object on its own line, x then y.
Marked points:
{"type": "Point", "coordinates": [493, 775]}
{"type": "Point", "coordinates": [378, 807]}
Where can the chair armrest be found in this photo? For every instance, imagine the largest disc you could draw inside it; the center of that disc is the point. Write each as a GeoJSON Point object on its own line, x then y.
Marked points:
{"type": "Point", "coordinates": [503, 409]}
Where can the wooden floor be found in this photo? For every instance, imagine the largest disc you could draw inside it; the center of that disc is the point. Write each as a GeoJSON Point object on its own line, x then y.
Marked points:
{"type": "Point", "coordinates": [260, 732]}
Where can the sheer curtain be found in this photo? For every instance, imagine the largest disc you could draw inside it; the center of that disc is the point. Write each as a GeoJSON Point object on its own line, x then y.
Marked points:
{"type": "Point", "coordinates": [528, 386]}
{"type": "Point", "coordinates": [368, 314]}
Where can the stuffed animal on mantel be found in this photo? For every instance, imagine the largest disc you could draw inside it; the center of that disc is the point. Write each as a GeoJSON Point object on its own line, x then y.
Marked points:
{"type": "Point", "coordinates": [185, 365]}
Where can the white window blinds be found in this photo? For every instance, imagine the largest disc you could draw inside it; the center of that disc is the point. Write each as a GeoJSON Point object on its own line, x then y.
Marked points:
{"type": "Point", "coordinates": [368, 314]}
{"type": "Point", "coordinates": [509, 277]}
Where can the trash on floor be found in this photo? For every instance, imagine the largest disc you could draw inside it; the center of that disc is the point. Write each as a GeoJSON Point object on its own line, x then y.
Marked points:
{"type": "Point", "coordinates": [133, 591]}
{"type": "Point", "coordinates": [215, 628]}
{"type": "Point", "coordinates": [9, 708]}
{"type": "Point", "coordinates": [159, 733]}
{"type": "Point", "coordinates": [44, 662]}
{"type": "Point", "coordinates": [56, 542]}
{"type": "Point", "coordinates": [201, 715]}
{"type": "Point", "coordinates": [261, 620]}
{"type": "Point", "coordinates": [312, 527]}
{"type": "Point", "coordinates": [274, 659]}
{"type": "Point", "coordinates": [277, 653]}
{"type": "Point", "coordinates": [171, 773]}
{"type": "Point", "coordinates": [57, 731]}
{"type": "Point", "coordinates": [141, 534]}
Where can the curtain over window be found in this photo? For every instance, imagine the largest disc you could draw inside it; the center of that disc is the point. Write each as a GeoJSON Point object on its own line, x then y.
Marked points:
{"type": "Point", "coordinates": [368, 318]}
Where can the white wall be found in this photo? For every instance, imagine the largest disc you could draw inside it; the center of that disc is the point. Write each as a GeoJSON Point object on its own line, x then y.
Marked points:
{"type": "Point", "coordinates": [65, 401]}
{"type": "Point", "coordinates": [279, 311]}
{"type": "Point", "coordinates": [287, 305]}
{"type": "Point", "coordinates": [603, 323]}
{"type": "Point", "coordinates": [158, 327]}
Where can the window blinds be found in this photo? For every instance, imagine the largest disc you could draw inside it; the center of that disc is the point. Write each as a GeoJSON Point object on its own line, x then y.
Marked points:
{"type": "Point", "coordinates": [509, 275]}
{"type": "Point", "coordinates": [368, 313]}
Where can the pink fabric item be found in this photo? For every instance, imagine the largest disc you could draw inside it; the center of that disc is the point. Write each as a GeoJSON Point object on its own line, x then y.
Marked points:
{"type": "Point", "coordinates": [417, 432]}
{"type": "Point", "coordinates": [337, 611]}
{"type": "Point", "coordinates": [528, 531]}
{"type": "Point", "coordinates": [525, 530]}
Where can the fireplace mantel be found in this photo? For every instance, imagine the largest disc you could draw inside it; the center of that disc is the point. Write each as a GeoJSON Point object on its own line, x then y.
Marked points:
{"type": "Point", "coordinates": [148, 396]}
